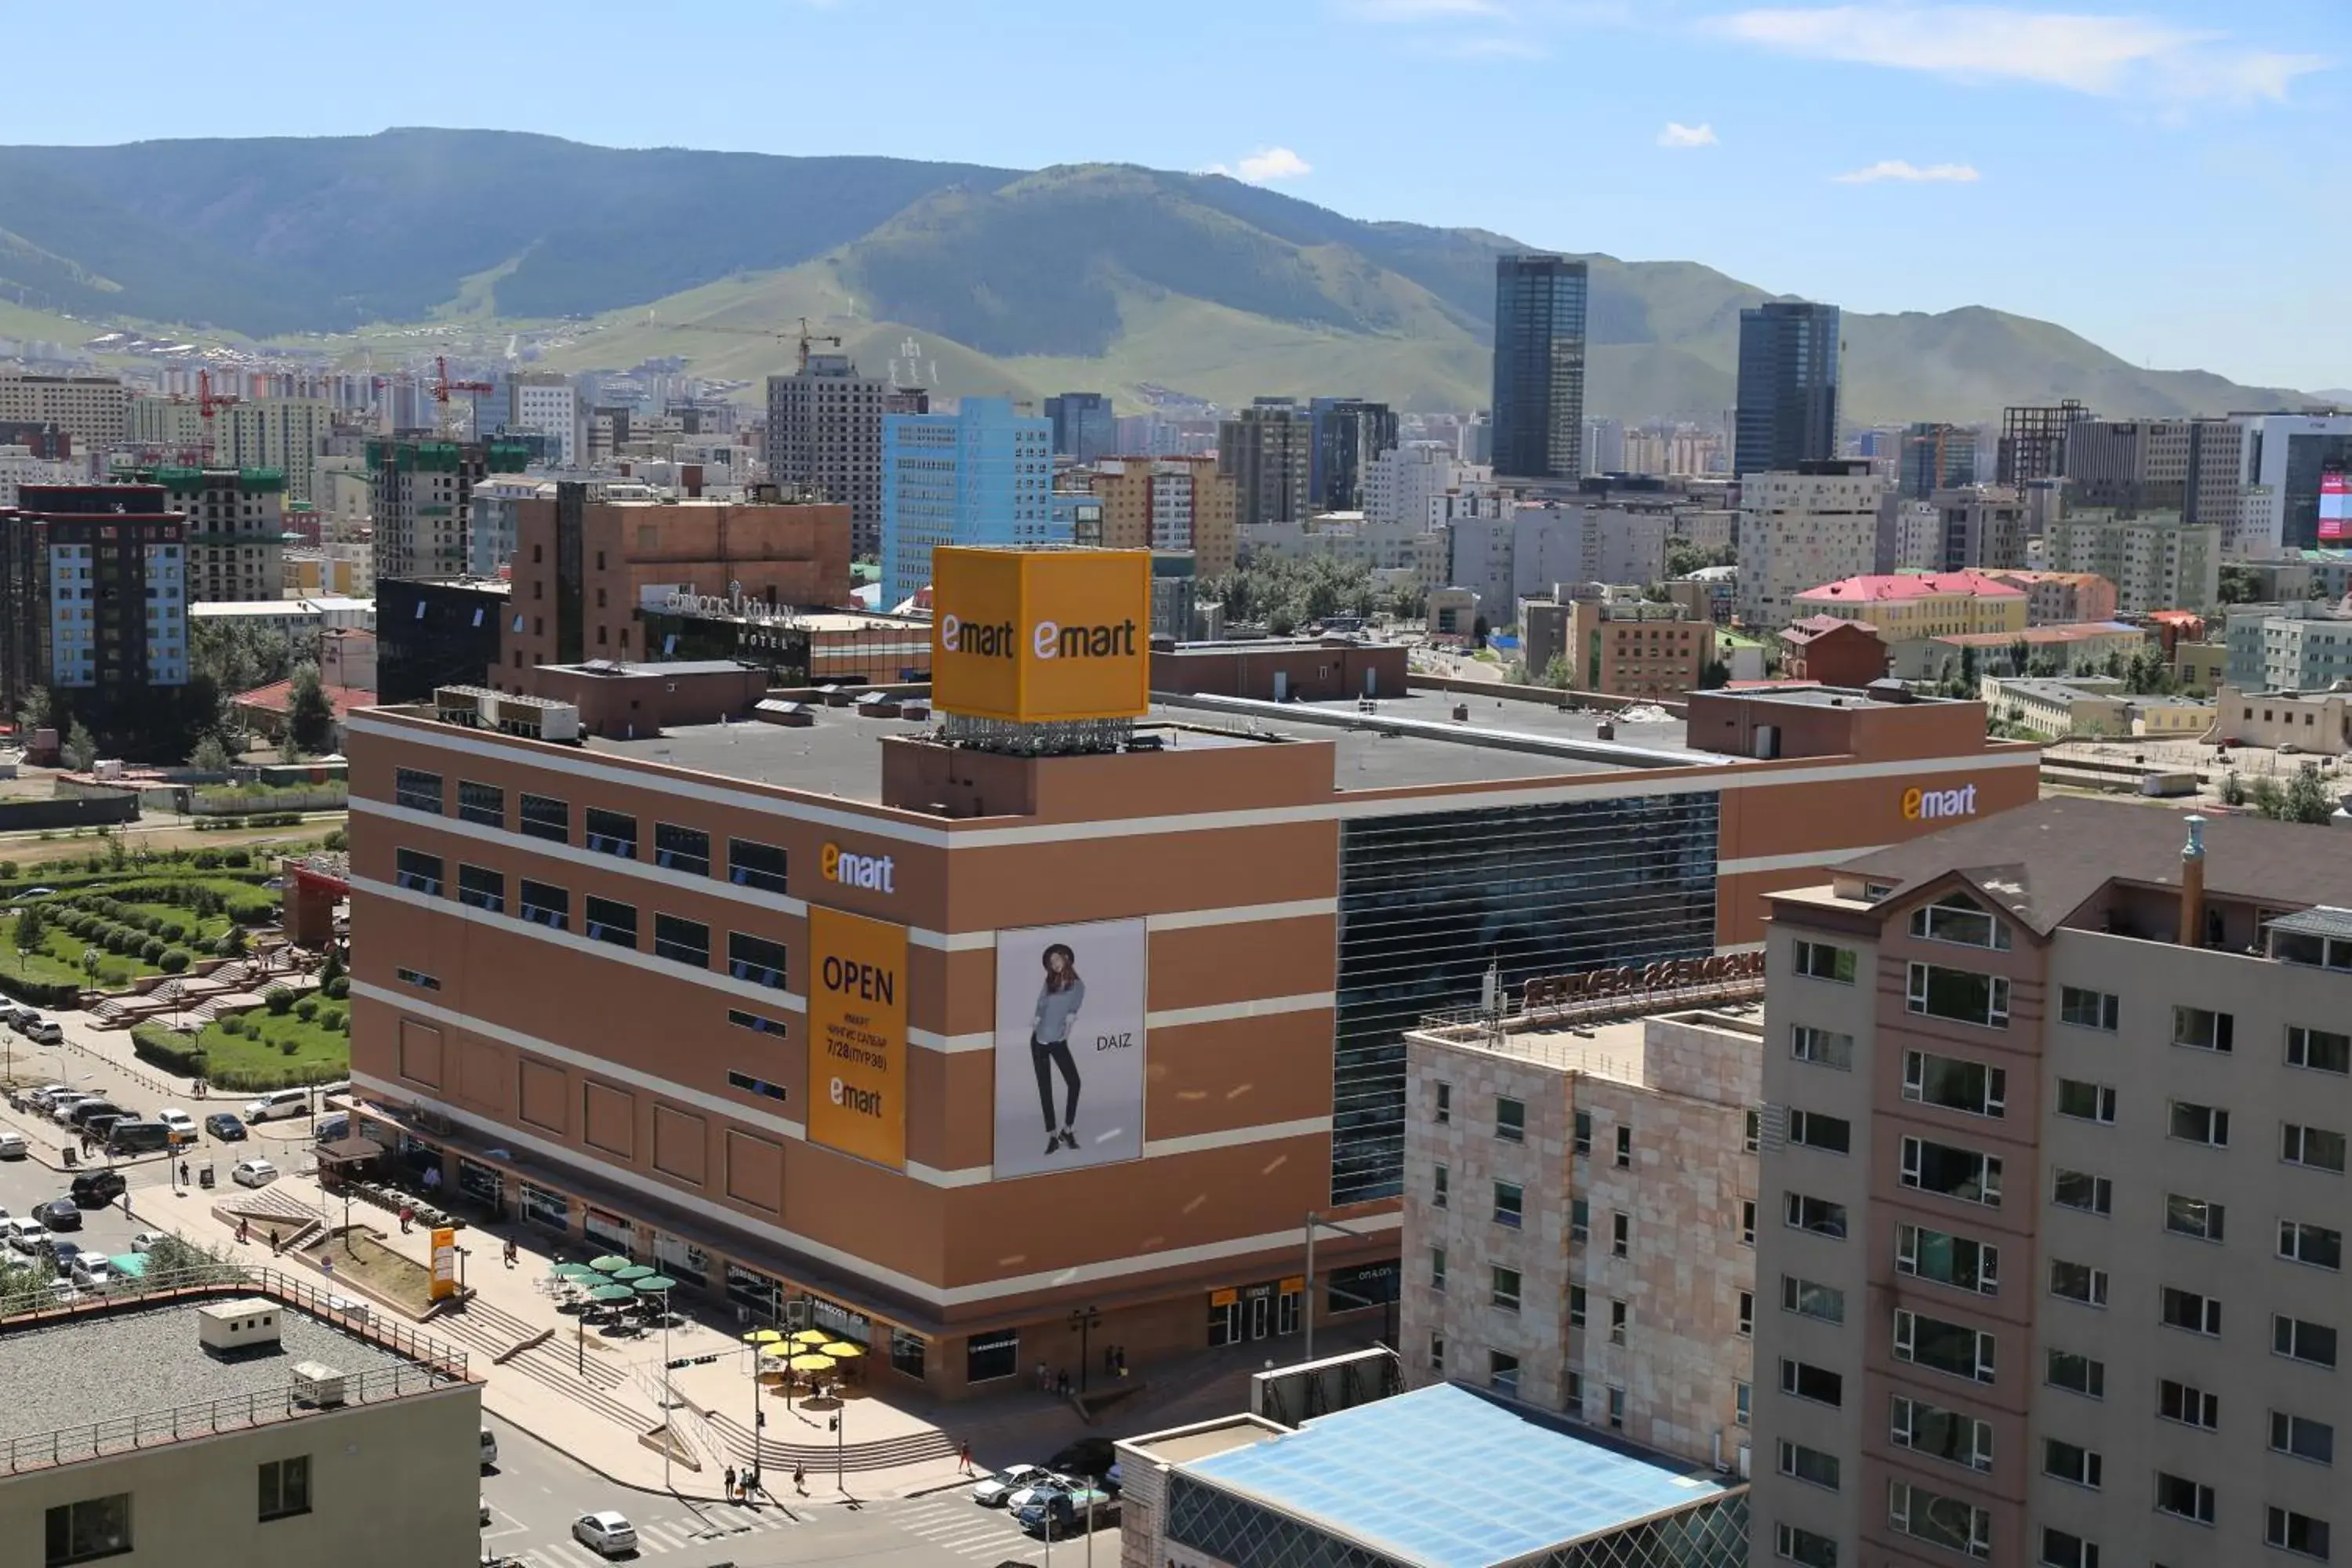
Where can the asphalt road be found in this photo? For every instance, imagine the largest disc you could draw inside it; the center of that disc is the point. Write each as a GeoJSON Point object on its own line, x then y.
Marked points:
{"type": "Point", "coordinates": [537, 1491]}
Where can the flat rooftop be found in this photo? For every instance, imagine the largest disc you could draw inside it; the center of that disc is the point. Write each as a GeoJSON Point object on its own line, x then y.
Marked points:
{"type": "Point", "coordinates": [1612, 1048]}
{"type": "Point", "coordinates": [1511, 1484]}
{"type": "Point", "coordinates": [72, 1372]}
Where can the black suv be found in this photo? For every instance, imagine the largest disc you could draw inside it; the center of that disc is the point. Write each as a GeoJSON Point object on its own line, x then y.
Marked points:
{"type": "Point", "coordinates": [95, 1189]}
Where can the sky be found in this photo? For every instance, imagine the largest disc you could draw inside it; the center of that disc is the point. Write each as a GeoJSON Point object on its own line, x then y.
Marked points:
{"type": "Point", "coordinates": [2156, 175]}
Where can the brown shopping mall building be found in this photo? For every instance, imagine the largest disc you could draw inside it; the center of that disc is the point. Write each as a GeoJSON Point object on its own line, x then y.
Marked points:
{"type": "Point", "coordinates": [768, 1006]}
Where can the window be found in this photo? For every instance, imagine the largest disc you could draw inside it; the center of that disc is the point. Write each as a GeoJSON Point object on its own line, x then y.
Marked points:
{"type": "Point", "coordinates": [1437, 1353]}
{"type": "Point", "coordinates": [95, 1527]}
{"type": "Point", "coordinates": [1580, 1219]}
{"type": "Point", "coordinates": [1954, 1084]}
{"type": "Point", "coordinates": [1506, 1291]}
{"type": "Point", "coordinates": [2060, 1549]}
{"type": "Point", "coordinates": [1957, 918]}
{"type": "Point", "coordinates": [1823, 1047]}
{"type": "Point", "coordinates": [1954, 1173]}
{"type": "Point", "coordinates": [1438, 1178]}
{"type": "Point", "coordinates": [1621, 1234]}
{"type": "Point", "coordinates": [1624, 1148]}
{"type": "Point", "coordinates": [758, 1085]}
{"type": "Point", "coordinates": [415, 791]}
{"type": "Point", "coordinates": [2086, 1101]}
{"type": "Point", "coordinates": [1819, 1216]}
{"type": "Point", "coordinates": [1819, 1384]}
{"type": "Point", "coordinates": [1751, 1125]}
{"type": "Point", "coordinates": [1507, 1199]}
{"type": "Point", "coordinates": [481, 802]}
{"type": "Point", "coordinates": [417, 871]}
{"type": "Point", "coordinates": [1617, 1410]}
{"type": "Point", "coordinates": [1584, 1132]}
{"type": "Point", "coordinates": [2298, 1339]}
{"type": "Point", "coordinates": [987, 1357]}
{"type": "Point", "coordinates": [906, 1353]}
{"type": "Point", "coordinates": [544, 816]}
{"type": "Point", "coordinates": [1942, 1434]}
{"type": "Point", "coordinates": [2315, 1147]}
{"type": "Point", "coordinates": [2076, 1373]}
{"type": "Point", "coordinates": [1944, 1347]}
{"type": "Point", "coordinates": [2190, 1406]}
{"type": "Point", "coordinates": [2199, 1218]}
{"type": "Point", "coordinates": [1938, 1521]}
{"type": "Point", "coordinates": [613, 922]}
{"type": "Point", "coordinates": [684, 849]}
{"type": "Point", "coordinates": [2184, 1498]}
{"type": "Point", "coordinates": [682, 940]}
{"type": "Point", "coordinates": [1809, 1464]}
{"type": "Point", "coordinates": [1510, 1119]}
{"type": "Point", "coordinates": [1747, 1325]}
{"type": "Point", "coordinates": [2067, 1462]}
{"type": "Point", "coordinates": [2303, 1438]}
{"type": "Point", "coordinates": [1503, 1374]}
{"type": "Point", "coordinates": [2201, 1030]}
{"type": "Point", "coordinates": [2318, 1050]}
{"type": "Point", "coordinates": [482, 888]}
{"type": "Point", "coordinates": [2198, 1124]}
{"type": "Point", "coordinates": [1576, 1300]}
{"type": "Point", "coordinates": [1748, 1222]}
{"type": "Point", "coordinates": [1444, 1103]}
{"type": "Point", "coordinates": [545, 904]}
{"type": "Point", "coordinates": [2087, 1009]}
{"type": "Point", "coordinates": [2187, 1310]}
{"type": "Point", "coordinates": [1743, 1403]}
{"type": "Point", "coordinates": [1958, 994]}
{"type": "Point", "coordinates": [286, 1488]}
{"type": "Point", "coordinates": [1831, 1134]}
{"type": "Point", "coordinates": [1619, 1316]}
{"type": "Point", "coordinates": [756, 1024]}
{"type": "Point", "coordinates": [1818, 961]}
{"type": "Point", "coordinates": [417, 978]}
{"type": "Point", "coordinates": [2297, 1532]}
{"type": "Point", "coordinates": [752, 864]}
{"type": "Point", "coordinates": [1437, 1269]}
{"type": "Point", "coordinates": [1947, 1259]}
{"type": "Point", "coordinates": [756, 959]}
{"type": "Point", "coordinates": [612, 833]}
{"type": "Point", "coordinates": [2078, 1282]}
{"type": "Point", "coordinates": [1807, 1298]}
{"type": "Point", "coordinates": [1803, 1547]}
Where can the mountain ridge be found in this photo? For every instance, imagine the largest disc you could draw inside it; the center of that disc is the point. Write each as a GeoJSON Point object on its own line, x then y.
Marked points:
{"type": "Point", "coordinates": [1026, 280]}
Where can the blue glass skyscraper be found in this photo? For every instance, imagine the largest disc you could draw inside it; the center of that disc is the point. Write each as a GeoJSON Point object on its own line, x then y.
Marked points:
{"type": "Point", "coordinates": [1788, 387]}
{"type": "Point", "coordinates": [982, 474]}
{"type": "Point", "coordinates": [1539, 416]}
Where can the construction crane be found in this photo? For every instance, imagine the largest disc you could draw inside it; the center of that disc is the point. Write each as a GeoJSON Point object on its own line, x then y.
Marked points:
{"type": "Point", "coordinates": [209, 403]}
{"type": "Point", "coordinates": [443, 386]}
{"type": "Point", "coordinates": [802, 338]}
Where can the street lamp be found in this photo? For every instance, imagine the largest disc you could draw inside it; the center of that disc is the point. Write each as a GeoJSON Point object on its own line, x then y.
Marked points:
{"type": "Point", "coordinates": [1313, 1221]}
{"type": "Point", "coordinates": [1084, 1320]}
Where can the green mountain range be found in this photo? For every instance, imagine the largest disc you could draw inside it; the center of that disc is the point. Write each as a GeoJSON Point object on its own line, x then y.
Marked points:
{"type": "Point", "coordinates": [1101, 276]}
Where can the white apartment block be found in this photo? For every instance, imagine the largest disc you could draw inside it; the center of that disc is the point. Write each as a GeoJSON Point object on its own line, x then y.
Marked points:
{"type": "Point", "coordinates": [90, 408]}
{"type": "Point", "coordinates": [2155, 560]}
{"type": "Point", "coordinates": [1537, 545]}
{"type": "Point", "coordinates": [1798, 531]}
{"type": "Point", "coordinates": [19, 468]}
{"type": "Point", "coordinates": [548, 405]}
{"type": "Point", "coordinates": [1402, 482]}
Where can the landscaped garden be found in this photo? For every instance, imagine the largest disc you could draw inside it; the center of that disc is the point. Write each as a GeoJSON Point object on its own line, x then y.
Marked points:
{"type": "Point", "coordinates": [290, 1042]}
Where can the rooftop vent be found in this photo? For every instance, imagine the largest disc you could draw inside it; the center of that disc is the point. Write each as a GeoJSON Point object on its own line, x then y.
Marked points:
{"type": "Point", "coordinates": [238, 1325]}
{"type": "Point", "coordinates": [319, 1384]}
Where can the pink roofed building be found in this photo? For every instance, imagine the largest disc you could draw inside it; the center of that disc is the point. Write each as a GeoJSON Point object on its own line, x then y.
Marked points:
{"type": "Point", "coordinates": [1905, 606]}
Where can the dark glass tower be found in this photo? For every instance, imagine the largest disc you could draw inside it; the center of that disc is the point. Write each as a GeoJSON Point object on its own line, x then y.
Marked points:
{"type": "Point", "coordinates": [1539, 414]}
{"type": "Point", "coordinates": [1788, 387]}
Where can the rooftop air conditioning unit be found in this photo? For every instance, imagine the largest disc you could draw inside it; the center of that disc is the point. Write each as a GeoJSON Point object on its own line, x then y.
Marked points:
{"type": "Point", "coordinates": [317, 1384]}
{"type": "Point", "coordinates": [238, 1325]}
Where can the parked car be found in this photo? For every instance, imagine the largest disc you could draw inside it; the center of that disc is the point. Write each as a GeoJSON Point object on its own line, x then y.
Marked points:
{"type": "Point", "coordinates": [59, 1214]}
{"type": "Point", "coordinates": [277, 1103]}
{"type": "Point", "coordinates": [1088, 1457]}
{"type": "Point", "coordinates": [1067, 1513]}
{"type": "Point", "coordinates": [991, 1491]}
{"type": "Point", "coordinates": [46, 1033]}
{"type": "Point", "coordinates": [332, 1129]}
{"type": "Point", "coordinates": [179, 1124]}
{"type": "Point", "coordinates": [253, 1172]}
{"type": "Point", "coordinates": [1039, 1485]}
{"type": "Point", "coordinates": [23, 1018]}
{"type": "Point", "coordinates": [62, 1105]}
{"type": "Point", "coordinates": [224, 1126]}
{"type": "Point", "coordinates": [24, 1234]}
{"type": "Point", "coordinates": [96, 1189]}
{"type": "Point", "coordinates": [62, 1293]}
{"type": "Point", "coordinates": [131, 1136]}
{"type": "Point", "coordinates": [95, 1271]}
{"type": "Point", "coordinates": [64, 1255]}
{"type": "Point", "coordinates": [12, 1146]}
{"type": "Point", "coordinates": [38, 892]}
{"type": "Point", "coordinates": [79, 1116]}
{"type": "Point", "coordinates": [38, 1099]}
{"type": "Point", "coordinates": [145, 1240]}
{"type": "Point", "coordinates": [606, 1534]}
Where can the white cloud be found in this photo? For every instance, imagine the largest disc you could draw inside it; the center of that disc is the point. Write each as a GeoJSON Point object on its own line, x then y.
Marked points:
{"type": "Point", "coordinates": [1677, 134]}
{"type": "Point", "coordinates": [1269, 163]}
{"type": "Point", "coordinates": [2107, 56]}
{"type": "Point", "coordinates": [1911, 174]}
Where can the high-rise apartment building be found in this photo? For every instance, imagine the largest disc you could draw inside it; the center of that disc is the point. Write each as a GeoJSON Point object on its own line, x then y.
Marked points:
{"type": "Point", "coordinates": [545, 403]}
{"type": "Point", "coordinates": [1937, 456]}
{"type": "Point", "coordinates": [1084, 427]}
{"type": "Point", "coordinates": [287, 434]}
{"type": "Point", "coordinates": [1267, 451]}
{"type": "Point", "coordinates": [2155, 560]}
{"type": "Point", "coordinates": [1403, 482]}
{"type": "Point", "coordinates": [1168, 503]}
{"type": "Point", "coordinates": [236, 529]}
{"type": "Point", "coordinates": [2284, 460]}
{"type": "Point", "coordinates": [421, 491]}
{"type": "Point", "coordinates": [982, 474]}
{"type": "Point", "coordinates": [1787, 392]}
{"type": "Point", "coordinates": [90, 408]}
{"type": "Point", "coordinates": [1539, 334]}
{"type": "Point", "coordinates": [1349, 435]}
{"type": "Point", "coordinates": [1803, 528]}
{"type": "Point", "coordinates": [2193, 467]}
{"type": "Point", "coordinates": [825, 439]}
{"type": "Point", "coordinates": [93, 593]}
{"type": "Point", "coordinates": [2050, 1250]}
{"type": "Point", "coordinates": [2033, 441]}
{"type": "Point", "coordinates": [1975, 528]}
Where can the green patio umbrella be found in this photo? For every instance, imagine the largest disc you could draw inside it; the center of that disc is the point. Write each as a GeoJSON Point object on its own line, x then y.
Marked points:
{"type": "Point", "coordinates": [653, 1284]}
{"type": "Point", "coordinates": [575, 1272]}
{"type": "Point", "coordinates": [612, 1293]}
{"type": "Point", "coordinates": [608, 1264]}
{"type": "Point", "coordinates": [633, 1273]}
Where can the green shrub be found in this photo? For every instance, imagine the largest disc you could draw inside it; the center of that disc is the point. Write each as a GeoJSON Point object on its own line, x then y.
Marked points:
{"type": "Point", "coordinates": [175, 961]}
{"type": "Point", "coordinates": [207, 859]}
{"type": "Point", "coordinates": [336, 840]}
{"type": "Point", "coordinates": [288, 1047]}
{"type": "Point", "coordinates": [118, 940]}
{"type": "Point", "coordinates": [306, 1009]}
{"type": "Point", "coordinates": [151, 950]}
{"type": "Point", "coordinates": [280, 1004]}
{"type": "Point", "coordinates": [338, 988]}
{"type": "Point", "coordinates": [172, 1052]}
{"type": "Point", "coordinates": [232, 1024]}
{"type": "Point", "coordinates": [8, 870]}
{"type": "Point", "coordinates": [335, 1018]}
{"type": "Point", "coordinates": [236, 858]}
{"type": "Point", "coordinates": [229, 945]}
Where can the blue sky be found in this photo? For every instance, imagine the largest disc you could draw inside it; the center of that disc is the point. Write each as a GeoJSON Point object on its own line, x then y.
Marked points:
{"type": "Point", "coordinates": [2164, 177]}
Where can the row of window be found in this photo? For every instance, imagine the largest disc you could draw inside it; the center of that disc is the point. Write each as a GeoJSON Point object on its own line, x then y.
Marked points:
{"type": "Point", "coordinates": [1960, 1526]}
{"type": "Point", "coordinates": [100, 1527]}
{"type": "Point", "coordinates": [749, 863]}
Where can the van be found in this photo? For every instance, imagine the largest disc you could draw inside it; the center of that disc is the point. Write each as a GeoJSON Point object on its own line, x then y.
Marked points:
{"type": "Point", "coordinates": [489, 1450]}
{"type": "Point", "coordinates": [138, 1138]}
{"type": "Point", "coordinates": [279, 1103]}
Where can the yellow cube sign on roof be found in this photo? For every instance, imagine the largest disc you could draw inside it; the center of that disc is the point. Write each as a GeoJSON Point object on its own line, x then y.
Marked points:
{"type": "Point", "coordinates": [1035, 636]}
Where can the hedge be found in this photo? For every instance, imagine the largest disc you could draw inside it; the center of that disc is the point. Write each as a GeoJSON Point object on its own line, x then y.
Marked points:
{"type": "Point", "coordinates": [174, 1053]}
{"type": "Point", "coordinates": [40, 993]}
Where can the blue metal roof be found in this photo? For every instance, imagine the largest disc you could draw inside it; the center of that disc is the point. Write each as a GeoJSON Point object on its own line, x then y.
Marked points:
{"type": "Point", "coordinates": [1446, 1478]}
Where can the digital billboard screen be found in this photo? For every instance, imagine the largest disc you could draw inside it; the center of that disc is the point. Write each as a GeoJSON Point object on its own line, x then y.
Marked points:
{"type": "Point", "coordinates": [2336, 507]}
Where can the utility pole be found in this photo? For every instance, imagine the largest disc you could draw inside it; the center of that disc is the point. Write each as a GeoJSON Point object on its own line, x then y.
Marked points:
{"type": "Point", "coordinates": [1315, 1219]}
{"type": "Point", "coordinates": [1084, 1320]}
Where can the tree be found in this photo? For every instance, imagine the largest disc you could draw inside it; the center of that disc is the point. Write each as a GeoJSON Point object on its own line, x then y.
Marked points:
{"type": "Point", "coordinates": [2240, 585]}
{"type": "Point", "coordinates": [32, 932]}
{"type": "Point", "coordinates": [1713, 676]}
{"type": "Point", "coordinates": [2233, 789]}
{"type": "Point", "coordinates": [37, 711]}
{"type": "Point", "coordinates": [1682, 557]}
{"type": "Point", "coordinates": [210, 756]}
{"type": "Point", "coordinates": [2267, 798]}
{"type": "Point", "coordinates": [80, 748]}
{"type": "Point", "coordinates": [1555, 673]}
{"type": "Point", "coordinates": [2020, 655]}
{"type": "Point", "coordinates": [310, 716]}
{"type": "Point", "coordinates": [2306, 799]}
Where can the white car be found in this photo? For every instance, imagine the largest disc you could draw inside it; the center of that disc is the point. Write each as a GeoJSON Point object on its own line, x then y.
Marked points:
{"type": "Point", "coordinates": [993, 1491]}
{"type": "Point", "coordinates": [46, 1033]}
{"type": "Point", "coordinates": [95, 1271]}
{"type": "Point", "coordinates": [62, 1293]}
{"type": "Point", "coordinates": [604, 1533]}
{"type": "Point", "coordinates": [253, 1172]}
{"type": "Point", "coordinates": [179, 1124]}
{"type": "Point", "coordinates": [1043, 1484]}
{"type": "Point", "coordinates": [145, 1240]}
{"type": "Point", "coordinates": [12, 1146]}
{"type": "Point", "coordinates": [24, 1236]}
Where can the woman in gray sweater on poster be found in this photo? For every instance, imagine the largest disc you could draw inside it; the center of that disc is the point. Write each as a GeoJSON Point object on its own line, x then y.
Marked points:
{"type": "Point", "coordinates": [1058, 1002]}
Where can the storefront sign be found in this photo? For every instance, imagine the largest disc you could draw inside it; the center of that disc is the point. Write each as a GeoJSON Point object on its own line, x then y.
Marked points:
{"type": "Point", "coordinates": [858, 1036]}
{"type": "Point", "coordinates": [875, 873]}
{"type": "Point", "coordinates": [1940, 805]}
{"type": "Point", "coordinates": [1224, 1298]}
{"type": "Point", "coordinates": [1032, 635]}
{"type": "Point", "coordinates": [444, 1263]}
{"type": "Point", "coordinates": [1364, 1285]}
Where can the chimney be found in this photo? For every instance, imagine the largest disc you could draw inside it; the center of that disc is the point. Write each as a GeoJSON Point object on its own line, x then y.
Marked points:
{"type": "Point", "coordinates": [2192, 885]}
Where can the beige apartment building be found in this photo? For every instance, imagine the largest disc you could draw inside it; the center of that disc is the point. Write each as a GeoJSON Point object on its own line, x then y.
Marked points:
{"type": "Point", "coordinates": [265, 1437]}
{"type": "Point", "coordinates": [90, 408]}
{"type": "Point", "coordinates": [1799, 530]}
{"type": "Point", "coordinates": [2056, 1105]}
{"type": "Point", "coordinates": [1168, 503]}
{"type": "Point", "coordinates": [1579, 1208]}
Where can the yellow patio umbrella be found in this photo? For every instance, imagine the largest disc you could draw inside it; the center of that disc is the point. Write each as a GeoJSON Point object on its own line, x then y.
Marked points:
{"type": "Point", "coordinates": [809, 1362]}
{"type": "Point", "coordinates": [811, 1337]}
{"type": "Point", "coordinates": [763, 1337]}
{"type": "Point", "coordinates": [777, 1353]}
{"type": "Point", "coordinates": [841, 1350]}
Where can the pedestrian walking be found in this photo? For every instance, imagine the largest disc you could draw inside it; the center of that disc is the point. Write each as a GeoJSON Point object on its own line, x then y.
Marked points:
{"type": "Point", "coordinates": [184, 1173]}
{"type": "Point", "coordinates": [800, 1478]}
{"type": "Point", "coordinates": [963, 1457]}
{"type": "Point", "coordinates": [730, 1483]}
{"type": "Point", "coordinates": [407, 1218]}
{"type": "Point", "coordinates": [512, 1250]}
{"type": "Point", "coordinates": [274, 1247]}
{"type": "Point", "coordinates": [243, 1231]}
{"type": "Point", "coordinates": [328, 1264]}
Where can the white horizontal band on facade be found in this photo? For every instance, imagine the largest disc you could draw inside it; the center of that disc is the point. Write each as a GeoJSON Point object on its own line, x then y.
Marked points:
{"type": "Point", "coordinates": [1735, 774]}
{"type": "Point", "coordinates": [938, 1297]}
{"type": "Point", "coordinates": [1194, 920]}
{"type": "Point", "coordinates": [1821, 858]}
{"type": "Point", "coordinates": [1226, 1012]}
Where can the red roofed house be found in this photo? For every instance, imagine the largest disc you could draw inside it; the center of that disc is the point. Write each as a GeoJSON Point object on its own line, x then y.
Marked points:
{"type": "Point", "coordinates": [1907, 605]}
{"type": "Point", "coordinates": [262, 710]}
{"type": "Point", "coordinates": [1833, 652]}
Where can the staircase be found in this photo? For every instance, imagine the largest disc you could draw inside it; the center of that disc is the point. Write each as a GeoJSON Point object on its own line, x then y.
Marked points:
{"type": "Point", "coordinates": [555, 1364]}
{"type": "Point", "coordinates": [915, 1449]}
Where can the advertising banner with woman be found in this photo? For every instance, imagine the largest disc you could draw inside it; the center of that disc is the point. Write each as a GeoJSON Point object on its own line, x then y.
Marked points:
{"type": "Point", "coordinates": [1069, 1047]}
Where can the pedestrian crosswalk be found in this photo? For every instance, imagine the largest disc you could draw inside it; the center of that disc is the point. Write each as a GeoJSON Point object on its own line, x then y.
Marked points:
{"type": "Point", "coordinates": [712, 1524]}
{"type": "Point", "coordinates": [953, 1522]}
